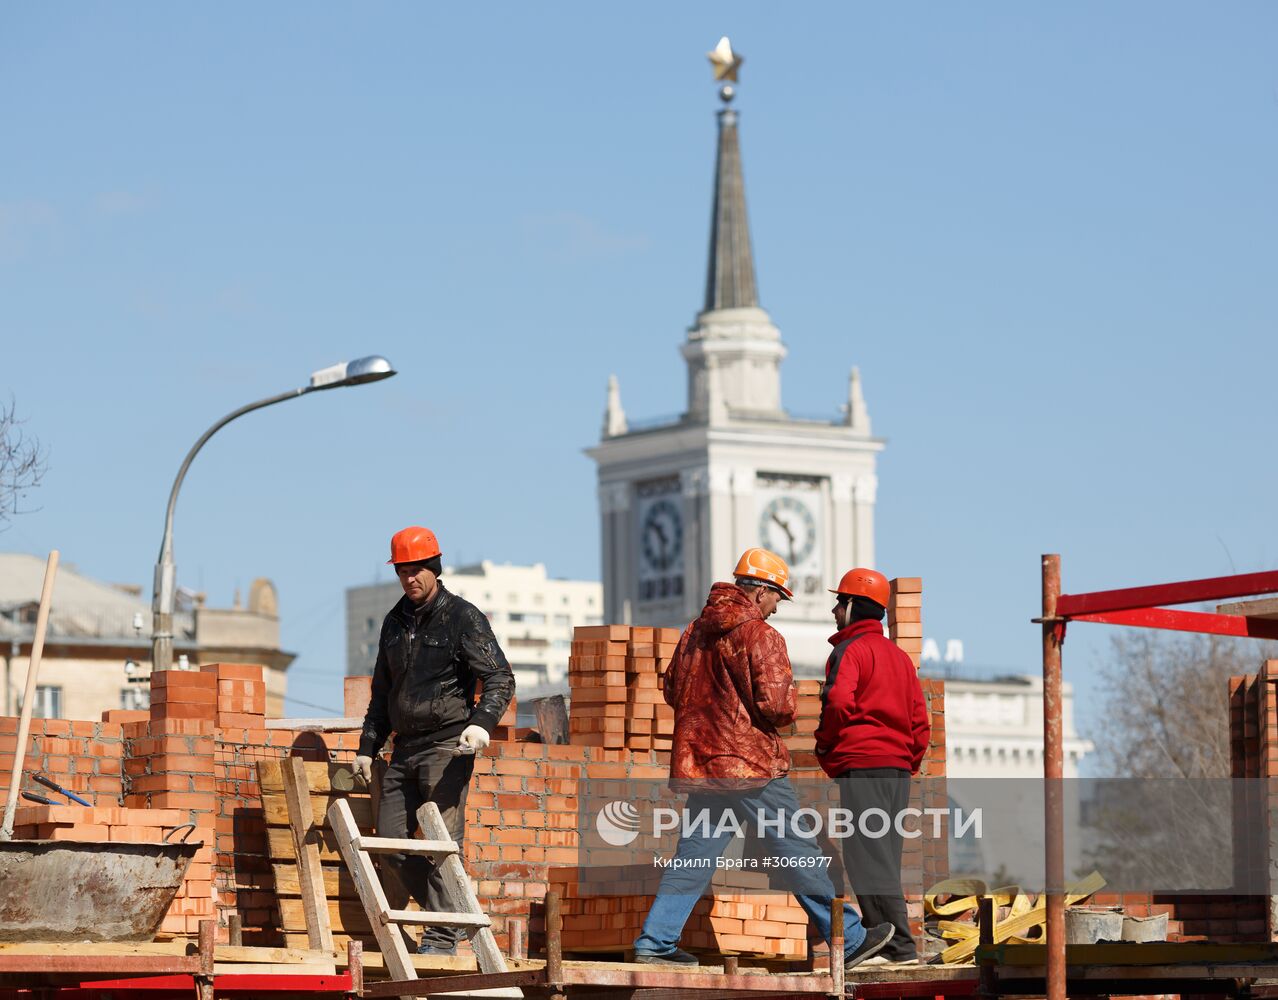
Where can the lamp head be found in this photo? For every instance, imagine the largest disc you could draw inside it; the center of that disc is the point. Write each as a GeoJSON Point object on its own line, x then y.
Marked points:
{"type": "Point", "coordinates": [373, 368]}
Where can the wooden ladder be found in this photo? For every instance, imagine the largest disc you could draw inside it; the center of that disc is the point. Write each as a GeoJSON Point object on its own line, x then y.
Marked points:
{"type": "Point", "coordinates": [440, 848]}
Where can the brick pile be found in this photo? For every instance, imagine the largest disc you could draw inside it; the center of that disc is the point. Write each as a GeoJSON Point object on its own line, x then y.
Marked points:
{"type": "Point", "coordinates": [905, 615]}
{"type": "Point", "coordinates": [768, 926]}
{"type": "Point", "coordinates": [614, 679]}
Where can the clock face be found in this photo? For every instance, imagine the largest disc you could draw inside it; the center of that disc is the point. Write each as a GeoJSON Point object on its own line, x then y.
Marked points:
{"type": "Point", "coordinates": [661, 535]}
{"type": "Point", "coordinates": [788, 528]}
{"type": "Point", "coordinates": [659, 522]}
{"type": "Point", "coordinates": [790, 524]}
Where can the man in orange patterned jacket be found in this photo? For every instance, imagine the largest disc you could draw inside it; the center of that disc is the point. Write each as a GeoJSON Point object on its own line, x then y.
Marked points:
{"type": "Point", "coordinates": [731, 686]}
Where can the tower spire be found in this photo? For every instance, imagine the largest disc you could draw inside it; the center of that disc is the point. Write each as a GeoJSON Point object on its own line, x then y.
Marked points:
{"type": "Point", "coordinates": [730, 280]}
{"type": "Point", "coordinates": [733, 351]}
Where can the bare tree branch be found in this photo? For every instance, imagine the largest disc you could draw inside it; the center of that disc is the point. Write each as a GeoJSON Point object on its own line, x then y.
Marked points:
{"type": "Point", "coordinates": [22, 463]}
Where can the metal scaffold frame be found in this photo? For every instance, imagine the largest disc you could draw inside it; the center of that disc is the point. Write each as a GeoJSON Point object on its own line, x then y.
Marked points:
{"type": "Point", "coordinates": [1140, 607]}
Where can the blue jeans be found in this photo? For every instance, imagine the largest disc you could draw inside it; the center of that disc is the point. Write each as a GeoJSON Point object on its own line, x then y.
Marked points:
{"type": "Point", "coordinates": [684, 883]}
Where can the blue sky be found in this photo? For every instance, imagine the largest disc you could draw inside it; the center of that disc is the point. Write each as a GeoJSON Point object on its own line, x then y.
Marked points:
{"type": "Point", "coordinates": [1046, 233]}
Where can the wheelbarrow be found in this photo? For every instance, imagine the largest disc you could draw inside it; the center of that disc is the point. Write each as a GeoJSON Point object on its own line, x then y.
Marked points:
{"type": "Point", "coordinates": [61, 890]}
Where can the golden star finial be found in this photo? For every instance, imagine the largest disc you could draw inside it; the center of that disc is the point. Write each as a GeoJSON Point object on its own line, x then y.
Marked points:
{"type": "Point", "coordinates": [725, 61]}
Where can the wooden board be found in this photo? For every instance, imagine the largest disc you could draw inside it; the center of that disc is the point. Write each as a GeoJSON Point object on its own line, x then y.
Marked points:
{"type": "Point", "coordinates": [337, 881]}
{"type": "Point", "coordinates": [345, 916]}
{"type": "Point", "coordinates": [309, 872]}
{"type": "Point", "coordinates": [323, 777]}
{"type": "Point", "coordinates": [279, 841]}
{"type": "Point", "coordinates": [275, 808]}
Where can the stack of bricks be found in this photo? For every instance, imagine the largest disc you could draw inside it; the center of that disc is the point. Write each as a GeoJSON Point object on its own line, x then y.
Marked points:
{"type": "Point", "coordinates": [649, 720]}
{"type": "Point", "coordinates": [615, 682]}
{"type": "Point", "coordinates": [769, 926]}
{"type": "Point", "coordinates": [597, 686]}
{"type": "Point", "coordinates": [800, 739]}
{"type": "Point", "coordinates": [905, 616]}
{"type": "Point", "coordinates": [241, 694]}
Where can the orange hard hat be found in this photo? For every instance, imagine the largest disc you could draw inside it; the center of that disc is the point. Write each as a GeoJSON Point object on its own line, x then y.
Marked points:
{"type": "Point", "coordinates": [760, 564]}
{"type": "Point", "coordinates": [413, 544]}
{"type": "Point", "coordinates": [865, 583]}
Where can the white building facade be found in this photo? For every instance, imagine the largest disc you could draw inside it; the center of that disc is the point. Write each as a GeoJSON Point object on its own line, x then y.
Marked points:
{"type": "Point", "coordinates": [994, 729]}
{"type": "Point", "coordinates": [680, 501]}
{"type": "Point", "coordinates": [532, 616]}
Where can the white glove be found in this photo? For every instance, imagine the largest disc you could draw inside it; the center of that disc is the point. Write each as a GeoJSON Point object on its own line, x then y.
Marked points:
{"type": "Point", "coordinates": [364, 768]}
{"type": "Point", "coordinates": [473, 739]}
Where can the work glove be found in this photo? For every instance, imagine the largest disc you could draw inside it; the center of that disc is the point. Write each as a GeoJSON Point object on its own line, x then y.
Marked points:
{"type": "Point", "coordinates": [473, 739]}
{"type": "Point", "coordinates": [364, 768]}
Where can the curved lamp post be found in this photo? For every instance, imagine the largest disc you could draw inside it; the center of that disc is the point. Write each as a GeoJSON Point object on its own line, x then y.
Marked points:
{"type": "Point", "coordinates": [370, 369]}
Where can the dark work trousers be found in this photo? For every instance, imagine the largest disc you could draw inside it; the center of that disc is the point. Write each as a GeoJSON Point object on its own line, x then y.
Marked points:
{"type": "Point", "coordinates": [873, 864]}
{"type": "Point", "coordinates": [415, 776]}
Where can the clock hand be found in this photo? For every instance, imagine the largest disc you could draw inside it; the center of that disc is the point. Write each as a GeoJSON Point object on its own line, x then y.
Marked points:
{"type": "Point", "coordinates": [784, 527]}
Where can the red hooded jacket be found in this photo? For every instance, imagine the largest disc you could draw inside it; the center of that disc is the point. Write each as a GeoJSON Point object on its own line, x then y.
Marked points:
{"type": "Point", "coordinates": [731, 686]}
{"type": "Point", "coordinates": [872, 709]}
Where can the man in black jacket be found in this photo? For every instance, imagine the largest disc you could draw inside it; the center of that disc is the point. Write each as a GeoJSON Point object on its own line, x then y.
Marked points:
{"type": "Point", "coordinates": [434, 647]}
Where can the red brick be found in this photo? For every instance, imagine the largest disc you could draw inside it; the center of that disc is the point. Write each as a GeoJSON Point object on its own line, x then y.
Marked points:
{"type": "Point", "coordinates": [171, 681]}
{"type": "Point", "coordinates": [81, 832]}
{"type": "Point", "coordinates": [183, 712]}
{"type": "Point", "coordinates": [234, 671]}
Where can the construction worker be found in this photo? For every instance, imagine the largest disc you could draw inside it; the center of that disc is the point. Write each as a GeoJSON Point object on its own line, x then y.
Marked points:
{"type": "Point", "coordinates": [874, 731]}
{"type": "Point", "coordinates": [730, 685]}
{"type": "Point", "coordinates": [433, 649]}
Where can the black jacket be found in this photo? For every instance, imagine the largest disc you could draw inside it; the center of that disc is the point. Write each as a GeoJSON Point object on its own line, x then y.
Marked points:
{"type": "Point", "coordinates": [428, 660]}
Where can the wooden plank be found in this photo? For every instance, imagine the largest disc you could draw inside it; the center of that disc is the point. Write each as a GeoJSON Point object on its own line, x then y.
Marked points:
{"type": "Point", "coordinates": [345, 916]}
{"type": "Point", "coordinates": [310, 874]}
{"type": "Point", "coordinates": [337, 881]}
{"type": "Point", "coordinates": [396, 845]}
{"type": "Point", "coordinates": [323, 776]}
{"type": "Point", "coordinates": [390, 940]}
{"type": "Point", "coordinates": [275, 807]}
{"type": "Point", "coordinates": [438, 919]}
{"type": "Point", "coordinates": [279, 842]}
{"type": "Point", "coordinates": [111, 948]}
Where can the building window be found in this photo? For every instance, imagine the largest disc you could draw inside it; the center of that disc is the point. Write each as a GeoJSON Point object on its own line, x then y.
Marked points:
{"type": "Point", "coordinates": [528, 617]}
{"type": "Point", "coordinates": [48, 702]}
{"type": "Point", "coordinates": [370, 624]}
{"type": "Point", "coordinates": [594, 619]}
{"type": "Point", "coordinates": [135, 698]}
{"type": "Point", "coordinates": [563, 620]}
{"type": "Point", "coordinates": [565, 598]}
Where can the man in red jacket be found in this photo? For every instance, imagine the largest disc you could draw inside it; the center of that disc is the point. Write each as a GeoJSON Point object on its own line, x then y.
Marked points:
{"type": "Point", "coordinates": [731, 686]}
{"type": "Point", "coordinates": [874, 731]}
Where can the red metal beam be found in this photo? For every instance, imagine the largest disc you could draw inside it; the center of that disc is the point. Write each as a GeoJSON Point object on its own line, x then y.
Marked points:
{"type": "Point", "coordinates": [1187, 621]}
{"type": "Point", "coordinates": [1217, 588]}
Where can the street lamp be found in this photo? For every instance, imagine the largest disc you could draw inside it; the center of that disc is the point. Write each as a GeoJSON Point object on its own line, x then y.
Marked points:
{"type": "Point", "coordinates": [357, 372]}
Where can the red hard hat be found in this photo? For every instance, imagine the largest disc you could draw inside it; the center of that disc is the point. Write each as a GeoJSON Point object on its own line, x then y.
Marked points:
{"type": "Point", "coordinates": [865, 583]}
{"type": "Point", "coordinates": [413, 544]}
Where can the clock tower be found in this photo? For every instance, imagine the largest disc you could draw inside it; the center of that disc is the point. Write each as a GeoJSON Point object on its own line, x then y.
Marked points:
{"type": "Point", "coordinates": [680, 499]}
